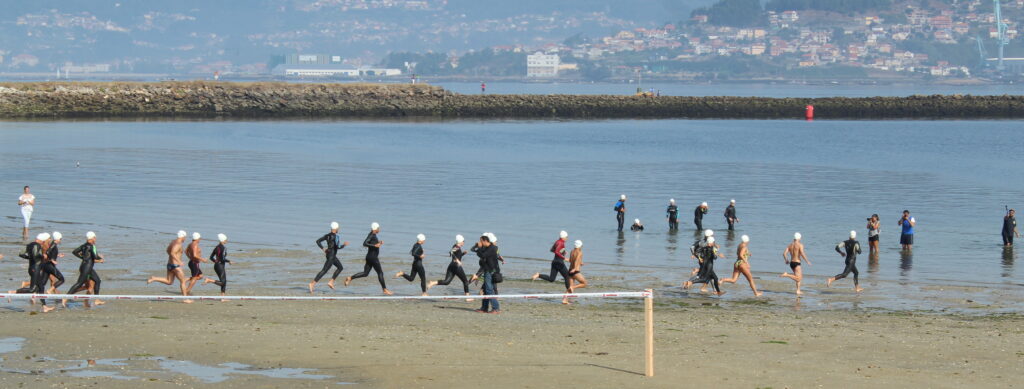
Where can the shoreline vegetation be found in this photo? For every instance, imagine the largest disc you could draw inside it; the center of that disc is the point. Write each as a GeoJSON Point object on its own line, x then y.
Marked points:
{"type": "Point", "coordinates": [203, 99]}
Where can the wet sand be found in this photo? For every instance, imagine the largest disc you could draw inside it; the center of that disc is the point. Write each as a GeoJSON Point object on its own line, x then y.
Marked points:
{"type": "Point", "coordinates": [700, 341]}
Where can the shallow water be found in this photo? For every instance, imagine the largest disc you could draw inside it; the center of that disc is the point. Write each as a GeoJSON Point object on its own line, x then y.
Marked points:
{"type": "Point", "coordinates": [273, 187]}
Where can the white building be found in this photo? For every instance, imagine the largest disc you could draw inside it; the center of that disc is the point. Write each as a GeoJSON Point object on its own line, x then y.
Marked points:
{"type": "Point", "coordinates": [313, 70]}
{"type": "Point", "coordinates": [542, 65]}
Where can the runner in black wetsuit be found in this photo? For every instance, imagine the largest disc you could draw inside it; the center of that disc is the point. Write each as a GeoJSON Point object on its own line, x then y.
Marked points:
{"type": "Point", "coordinates": [219, 257]}
{"type": "Point", "coordinates": [334, 244]}
{"type": "Point", "coordinates": [698, 216]}
{"type": "Point", "coordinates": [730, 214]}
{"type": "Point", "coordinates": [707, 275]}
{"type": "Point", "coordinates": [36, 255]}
{"type": "Point", "coordinates": [672, 214]}
{"type": "Point", "coordinates": [87, 276]}
{"type": "Point", "coordinates": [455, 266]}
{"type": "Point", "coordinates": [852, 248]}
{"type": "Point", "coordinates": [417, 264]}
{"type": "Point", "coordinates": [372, 245]}
{"type": "Point", "coordinates": [49, 266]}
{"type": "Point", "coordinates": [558, 263]}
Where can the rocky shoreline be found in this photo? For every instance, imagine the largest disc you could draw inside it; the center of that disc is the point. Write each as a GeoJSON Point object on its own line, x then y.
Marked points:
{"type": "Point", "coordinates": [199, 99]}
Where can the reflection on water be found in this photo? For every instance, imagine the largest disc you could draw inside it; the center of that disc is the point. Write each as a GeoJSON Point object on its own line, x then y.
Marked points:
{"type": "Point", "coordinates": [873, 262]}
{"type": "Point", "coordinates": [1008, 257]}
{"type": "Point", "coordinates": [906, 263]}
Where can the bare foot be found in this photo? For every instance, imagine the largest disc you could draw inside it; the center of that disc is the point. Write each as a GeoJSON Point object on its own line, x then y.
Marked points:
{"type": "Point", "coordinates": [704, 288]}
{"type": "Point", "coordinates": [799, 293]}
{"type": "Point", "coordinates": [431, 284]}
{"type": "Point", "coordinates": [686, 285]}
{"type": "Point", "coordinates": [828, 284]}
{"type": "Point", "coordinates": [149, 281]}
{"type": "Point", "coordinates": [348, 280]}
{"type": "Point", "coordinates": [758, 294]}
{"type": "Point", "coordinates": [64, 303]}
{"type": "Point", "coordinates": [330, 284]}
{"type": "Point", "coordinates": [48, 309]}
{"type": "Point", "coordinates": [565, 301]}
{"type": "Point", "coordinates": [468, 300]}
{"type": "Point", "coordinates": [311, 285]}
{"type": "Point", "coordinates": [224, 300]}
{"type": "Point", "coordinates": [399, 274]}
{"type": "Point", "coordinates": [858, 289]}
{"type": "Point", "coordinates": [424, 294]}
{"type": "Point", "coordinates": [784, 275]}
{"type": "Point", "coordinates": [208, 280]}
{"type": "Point", "coordinates": [535, 276]}
{"type": "Point", "coordinates": [187, 301]}
{"type": "Point", "coordinates": [99, 302]}
{"type": "Point", "coordinates": [388, 292]}
{"type": "Point", "coordinates": [720, 293]}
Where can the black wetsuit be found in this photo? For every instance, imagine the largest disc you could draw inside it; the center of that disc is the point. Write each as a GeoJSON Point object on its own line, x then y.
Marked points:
{"type": "Point", "coordinates": [455, 269]}
{"type": "Point", "coordinates": [49, 267]}
{"type": "Point", "coordinates": [87, 270]}
{"type": "Point", "coordinates": [333, 245]}
{"type": "Point", "coordinates": [1009, 225]}
{"type": "Point", "coordinates": [636, 227]}
{"type": "Point", "coordinates": [698, 217]}
{"type": "Point", "coordinates": [558, 265]}
{"type": "Point", "coordinates": [730, 216]}
{"type": "Point", "coordinates": [219, 257]}
{"type": "Point", "coordinates": [707, 271]}
{"type": "Point", "coordinates": [417, 267]}
{"type": "Point", "coordinates": [852, 248]}
{"type": "Point", "coordinates": [36, 282]}
{"type": "Point", "coordinates": [372, 262]}
{"type": "Point", "coordinates": [673, 217]}
{"type": "Point", "coordinates": [620, 213]}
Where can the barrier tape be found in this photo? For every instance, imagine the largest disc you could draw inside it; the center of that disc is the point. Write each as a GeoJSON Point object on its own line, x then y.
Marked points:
{"type": "Point", "coordinates": [14, 296]}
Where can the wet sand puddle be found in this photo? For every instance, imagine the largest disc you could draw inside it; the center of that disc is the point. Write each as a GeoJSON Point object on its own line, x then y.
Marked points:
{"type": "Point", "coordinates": [142, 367]}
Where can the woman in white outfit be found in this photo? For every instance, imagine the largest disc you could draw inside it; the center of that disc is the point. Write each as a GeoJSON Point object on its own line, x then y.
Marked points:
{"type": "Point", "coordinates": [27, 201]}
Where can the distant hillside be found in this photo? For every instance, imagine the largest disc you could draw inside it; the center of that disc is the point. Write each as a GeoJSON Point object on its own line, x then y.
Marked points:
{"type": "Point", "coordinates": [842, 6]}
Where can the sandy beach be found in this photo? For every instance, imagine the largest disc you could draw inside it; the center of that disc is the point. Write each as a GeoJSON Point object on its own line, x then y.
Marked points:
{"type": "Point", "coordinates": [533, 344]}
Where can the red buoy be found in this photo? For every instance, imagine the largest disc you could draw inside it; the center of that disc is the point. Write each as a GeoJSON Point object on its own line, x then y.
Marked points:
{"type": "Point", "coordinates": [810, 112]}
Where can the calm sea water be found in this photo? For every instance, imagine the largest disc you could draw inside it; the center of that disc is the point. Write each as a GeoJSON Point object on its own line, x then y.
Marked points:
{"type": "Point", "coordinates": [274, 186]}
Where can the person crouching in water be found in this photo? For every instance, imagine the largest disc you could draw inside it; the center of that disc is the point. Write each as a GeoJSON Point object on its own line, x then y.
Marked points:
{"type": "Point", "coordinates": [637, 226]}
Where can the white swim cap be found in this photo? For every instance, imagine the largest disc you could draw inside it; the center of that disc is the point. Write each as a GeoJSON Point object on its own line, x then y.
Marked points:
{"type": "Point", "coordinates": [563, 234]}
{"type": "Point", "coordinates": [374, 226]}
{"type": "Point", "coordinates": [459, 239]}
{"type": "Point", "coordinates": [853, 234]}
{"type": "Point", "coordinates": [745, 238]}
{"type": "Point", "coordinates": [222, 238]}
{"type": "Point", "coordinates": [671, 201]}
{"type": "Point", "coordinates": [622, 197]}
{"type": "Point", "coordinates": [42, 236]}
{"type": "Point", "coordinates": [421, 237]}
{"type": "Point", "coordinates": [57, 235]}
{"type": "Point", "coordinates": [334, 225]}
{"type": "Point", "coordinates": [196, 236]}
{"type": "Point", "coordinates": [711, 240]}
{"type": "Point", "coordinates": [708, 233]}
{"type": "Point", "coordinates": [493, 238]}
{"type": "Point", "coordinates": [704, 204]}
{"type": "Point", "coordinates": [797, 236]}
{"type": "Point", "coordinates": [733, 201]}
{"type": "Point", "coordinates": [182, 234]}
{"type": "Point", "coordinates": [90, 235]}
{"type": "Point", "coordinates": [578, 243]}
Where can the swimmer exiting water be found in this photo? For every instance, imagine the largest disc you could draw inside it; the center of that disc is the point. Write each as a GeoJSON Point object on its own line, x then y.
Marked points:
{"type": "Point", "coordinates": [672, 215]}
{"type": "Point", "coordinates": [637, 226]}
{"type": "Point", "coordinates": [698, 215]}
{"type": "Point", "coordinates": [88, 279]}
{"type": "Point", "coordinates": [730, 215]}
{"type": "Point", "coordinates": [707, 275]}
{"type": "Point", "coordinates": [334, 244]}
{"type": "Point", "coordinates": [620, 211]}
{"type": "Point", "coordinates": [577, 281]}
{"type": "Point", "coordinates": [742, 266]}
{"type": "Point", "coordinates": [195, 257]}
{"type": "Point", "coordinates": [219, 257]}
{"type": "Point", "coordinates": [852, 248]}
{"type": "Point", "coordinates": [372, 245]}
{"type": "Point", "coordinates": [455, 267]}
{"type": "Point", "coordinates": [417, 264]}
{"type": "Point", "coordinates": [796, 255]}
{"type": "Point", "coordinates": [174, 271]}
{"type": "Point", "coordinates": [558, 263]}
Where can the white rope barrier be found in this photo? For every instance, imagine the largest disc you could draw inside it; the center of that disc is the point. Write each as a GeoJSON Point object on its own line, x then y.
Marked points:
{"type": "Point", "coordinates": [13, 296]}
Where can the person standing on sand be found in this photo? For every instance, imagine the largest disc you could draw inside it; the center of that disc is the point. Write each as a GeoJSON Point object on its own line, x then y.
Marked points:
{"type": "Point", "coordinates": [557, 263]}
{"type": "Point", "coordinates": [672, 215]}
{"type": "Point", "coordinates": [707, 275]}
{"type": "Point", "coordinates": [27, 202]}
{"type": "Point", "coordinates": [578, 281]}
{"type": "Point", "coordinates": [219, 257]}
{"type": "Point", "coordinates": [874, 229]}
{"type": "Point", "coordinates": [88, 279]}
{"type": "Point", "coordinates": [620, 211]}
{"type": "Point", "coordinates": [698, 215]}
{"type": "Point", "coordinates": [796, 256]}
{"type": "Point", "coordinates": [334, 244]}
{"type": "Point", "coordinates": [730, 214]}
{"type": "Point", "coordinates": [455, 267]}
{"type": "Point", "coordinates": [372, 245]}
{"type": "Point", "coordinates": [488, 253]}
{"type": "Point", "coordinates": [417, 264]}
{"type": "Point", "coordinates": [195, 257]}
{"type": "Point", "coordinates": [907, 224]}
{"type": "Point", "coordinates": [1009, 228]}
{"type": "Point", "coordinates": [852, 248]}
{"type": "Point", "coordinates": [174, 271]}
{"type": "Point", "coordinates": [742, 266]}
